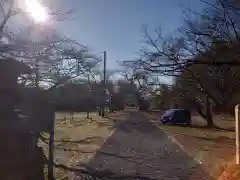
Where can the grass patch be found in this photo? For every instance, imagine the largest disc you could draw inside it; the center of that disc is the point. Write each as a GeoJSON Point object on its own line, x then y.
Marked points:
{"type": "Point", "coordinates": [215, 148]}
{"type": "Point", "coordinates": [78, 138]}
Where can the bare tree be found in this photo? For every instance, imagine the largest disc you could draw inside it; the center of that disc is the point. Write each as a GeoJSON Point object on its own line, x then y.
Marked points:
{"type": "Point", "coordinates": [205, 51]}
{"type": "Point", "coordinates": [54, 58]}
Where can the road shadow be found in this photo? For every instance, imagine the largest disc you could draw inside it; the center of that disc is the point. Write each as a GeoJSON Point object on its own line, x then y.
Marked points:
{"type": "Point", "coordinates": [225, 129]}
{"type": "Point", "coordinates": [220, 140]}
{"type": "Point", "coordinates": [139, 150]}
{"type": "Point", "coordinates": [195, 126]}
{"type": "Point", "coordinates": [189, 126]}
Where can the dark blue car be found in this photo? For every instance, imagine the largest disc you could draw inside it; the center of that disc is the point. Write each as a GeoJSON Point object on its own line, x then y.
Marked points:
{"type": "Point", "coordinates": [176, 116]}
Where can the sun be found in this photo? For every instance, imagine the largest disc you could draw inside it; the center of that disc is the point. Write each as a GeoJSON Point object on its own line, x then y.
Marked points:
{"type": "Point", "coordinates": [36, 10]}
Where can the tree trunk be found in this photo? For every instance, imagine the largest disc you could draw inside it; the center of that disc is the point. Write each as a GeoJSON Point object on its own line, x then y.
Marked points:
{"type": "Point", "coordinates": [99, 111]}
{"type": "Point", "coordinates": [209, 116]}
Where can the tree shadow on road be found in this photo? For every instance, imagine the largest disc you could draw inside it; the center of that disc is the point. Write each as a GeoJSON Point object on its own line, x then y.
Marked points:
{"type": "Point", "coordinates": [225, 129]}
{"type": "Point", "coordinates": [189, 126]}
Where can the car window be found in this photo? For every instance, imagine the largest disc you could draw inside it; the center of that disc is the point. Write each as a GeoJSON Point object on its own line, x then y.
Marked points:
{"type": "Point", "coordinates": [169, 112]}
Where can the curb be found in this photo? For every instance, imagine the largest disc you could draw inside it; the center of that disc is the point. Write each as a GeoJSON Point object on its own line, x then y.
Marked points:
{"type": "Point", "coordinates": [198, 161]}
{"type": "Point", "coordinates": [183, 148]}
{"type": "Point", "coordinates": [174, 140]}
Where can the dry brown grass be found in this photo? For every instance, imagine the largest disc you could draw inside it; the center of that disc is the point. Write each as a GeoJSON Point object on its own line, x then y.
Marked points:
{"type": "Point", "coordinates": [77, 140]}
{"type": "Point", "coordinates": [215, 148]}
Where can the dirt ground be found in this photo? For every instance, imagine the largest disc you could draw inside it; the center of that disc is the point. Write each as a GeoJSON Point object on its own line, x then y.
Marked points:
{"type": "Point", "coordinates": [77, 138]}
{"type": "Point", "coordinates": [214, 148]}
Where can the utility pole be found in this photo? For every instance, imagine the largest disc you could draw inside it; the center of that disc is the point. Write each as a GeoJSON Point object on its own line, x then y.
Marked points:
{"type": "Point", "coordinates": [104, 68]}
{"type": "Point", "coordinates": [89, 91]}
{"type": "Point", "coordinates": [78, 63]}
{"type": "Point", "coordinates": [37, 73]}
{"type": "Point", "coordinates": [104, 83]}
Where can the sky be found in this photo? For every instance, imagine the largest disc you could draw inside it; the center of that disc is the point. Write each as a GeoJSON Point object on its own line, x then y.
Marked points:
{"type": "Point", "coordinates": [116, 25]}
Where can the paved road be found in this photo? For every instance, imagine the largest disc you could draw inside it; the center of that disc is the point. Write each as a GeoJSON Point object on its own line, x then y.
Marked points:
{"type": "Point", "coordinates": [145, 150]}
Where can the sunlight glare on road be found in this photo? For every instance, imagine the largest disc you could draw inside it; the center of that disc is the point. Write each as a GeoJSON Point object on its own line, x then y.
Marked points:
{"type": "Point", "coordinates": [36, 10]}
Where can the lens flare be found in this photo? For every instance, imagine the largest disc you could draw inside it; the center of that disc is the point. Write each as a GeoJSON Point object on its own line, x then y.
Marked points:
{"type": "Point", "coordinates": [36, 10]}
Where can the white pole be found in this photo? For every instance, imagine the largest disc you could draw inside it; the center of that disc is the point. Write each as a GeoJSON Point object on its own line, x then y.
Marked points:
{"type": "Point", "coordinates": [237, 124]}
